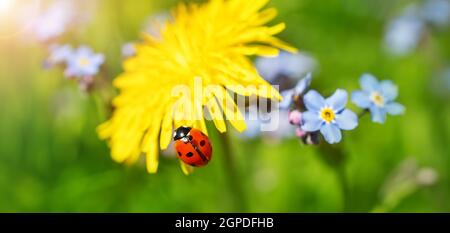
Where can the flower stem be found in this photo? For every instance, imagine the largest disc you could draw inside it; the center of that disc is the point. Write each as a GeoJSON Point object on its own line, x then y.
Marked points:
{"type": "Point", "coordinates": [335, 157]}
{"type": "Point", "coordinates": [345, 187]}
{"type": "Point", "coordinates": [362, 113]}
{"type": "Point", "coordinates": [232, 174]}
{"type": "Point", "coordinates": [99, 105]}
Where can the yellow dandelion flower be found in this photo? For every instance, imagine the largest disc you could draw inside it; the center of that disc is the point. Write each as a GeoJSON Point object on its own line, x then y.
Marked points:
{"type": "Point", "coordinates": [207, 43]}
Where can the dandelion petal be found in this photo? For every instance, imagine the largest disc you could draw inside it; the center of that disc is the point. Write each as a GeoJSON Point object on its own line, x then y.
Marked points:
{"type": "Point", "coordinates": [187, 170]}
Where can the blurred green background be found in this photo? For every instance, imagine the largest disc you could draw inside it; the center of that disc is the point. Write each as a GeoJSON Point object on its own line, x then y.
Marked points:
{"type": "Point", "coordinates": [51, 159]}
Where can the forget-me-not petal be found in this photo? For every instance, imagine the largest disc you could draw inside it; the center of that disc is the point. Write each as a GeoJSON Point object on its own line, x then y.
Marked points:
{"type": "Point", "coordinates": [331, 133]}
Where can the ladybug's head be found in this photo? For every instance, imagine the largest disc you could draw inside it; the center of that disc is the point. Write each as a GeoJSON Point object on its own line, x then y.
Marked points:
{"type": "Point", "coordinates": [181, 132]}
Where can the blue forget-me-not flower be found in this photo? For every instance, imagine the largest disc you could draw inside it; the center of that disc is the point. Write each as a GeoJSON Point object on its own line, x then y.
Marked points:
{"type": "Point", "coordinates": [378, 98]}
{"type": "Point", "coordinates": [290, 95]}
{"type": "Point", "coordinates": [58, 55]}
{"type": "Point", "coordinates": [128, 50]}
{"type": "Point", "coordinates": [329, 116]}
{"type": "Point", "coordinates": [84, 63]}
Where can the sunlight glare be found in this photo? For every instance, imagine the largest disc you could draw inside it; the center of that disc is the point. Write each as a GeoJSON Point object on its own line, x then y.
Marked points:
{"type": "Point", "coordinates": [5, 5]}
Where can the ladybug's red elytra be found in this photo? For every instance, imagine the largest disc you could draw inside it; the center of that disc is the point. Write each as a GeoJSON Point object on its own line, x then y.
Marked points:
{"type": "Point", "coordinates": [193, 146]}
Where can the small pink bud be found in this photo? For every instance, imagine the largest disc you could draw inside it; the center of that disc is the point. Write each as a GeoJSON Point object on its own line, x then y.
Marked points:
{"type": "Point", "coordinates": [299, 132]}
{"type": "Point", "coordinates": [295, 117]}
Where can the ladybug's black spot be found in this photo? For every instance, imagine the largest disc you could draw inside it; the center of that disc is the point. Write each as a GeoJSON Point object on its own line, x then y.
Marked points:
{"type": "Point", "coordinates": [179, 153]}
{"type": "Point", "coordinates": [190, 138]}
{"type": "Point", "coordinates": [189, 154]}
{"type": "Point", "coordinates": [202, 143]}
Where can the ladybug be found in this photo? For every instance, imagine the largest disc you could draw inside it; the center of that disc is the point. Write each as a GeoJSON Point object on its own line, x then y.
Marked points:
{"type": "Point", "coordinates": [193, 146]}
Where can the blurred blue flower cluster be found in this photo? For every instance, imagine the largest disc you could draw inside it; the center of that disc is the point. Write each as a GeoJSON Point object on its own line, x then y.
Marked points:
{"type": "Point", "coordinates": [49, 27]}
{"type": "Point", "coordinates": [285, 68]}
{"type": "Point", "coordinates": [153, 26]}
{"type": "Point", "coordinates": [58, 55]}
{"type": "Point", "coordinates": [54, 21]}
{"type": "Point", "coordinates": [442, 83]}
{"type": "Point", "coordinates": [81, 63]}
{"type": "Point", "coordinates": [59, 17]}
{"type": "Point", "coordinates": [404, 33]}
{"type": "Point", "coordinates": [128, 50]}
